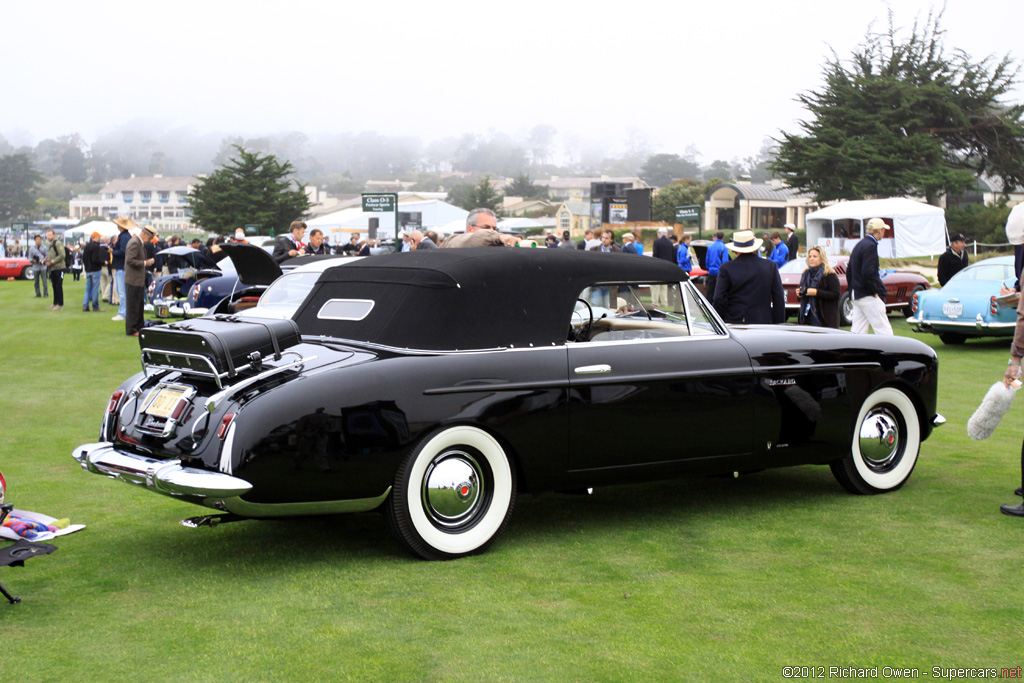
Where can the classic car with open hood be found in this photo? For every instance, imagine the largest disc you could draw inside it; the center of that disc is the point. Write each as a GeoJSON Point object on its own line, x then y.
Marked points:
{"type": "Point", "coordinates": [437, 386]}
{"type": "Point", "coordinates": [238, 273]}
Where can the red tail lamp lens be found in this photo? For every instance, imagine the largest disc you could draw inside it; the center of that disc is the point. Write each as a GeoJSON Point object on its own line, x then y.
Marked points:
{"type": "Point", "coordinates": [224, 424]}
{"type": "Point", "coordinates": [993, 307]}
{"type": "Point", "coordinates": [178, 408]}
{"type": "Point", "coordinates": [115, 401]}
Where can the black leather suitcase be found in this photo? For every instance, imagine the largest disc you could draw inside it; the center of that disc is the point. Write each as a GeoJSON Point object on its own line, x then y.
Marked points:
{"type": "Point", "coordinates": [227, 342]}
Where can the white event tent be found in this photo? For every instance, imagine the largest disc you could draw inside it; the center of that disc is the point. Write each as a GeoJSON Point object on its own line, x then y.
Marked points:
{"type": "Point", "coordinates": [915, 228]}
{"type": "Point", "coordinates": [104, 228]}
{"type": "Point", "coordinates": [339, 225]}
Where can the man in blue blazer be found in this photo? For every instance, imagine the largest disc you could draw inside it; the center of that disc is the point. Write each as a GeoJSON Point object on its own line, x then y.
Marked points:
{"type": "Point", "coordinates": [749, 288]}
{"type": "Point", "coordinates": [865, 284]}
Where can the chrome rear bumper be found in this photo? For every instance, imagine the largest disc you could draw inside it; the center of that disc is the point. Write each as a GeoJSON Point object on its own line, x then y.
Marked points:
{"type": "Point", "coordinates": [167, 477]}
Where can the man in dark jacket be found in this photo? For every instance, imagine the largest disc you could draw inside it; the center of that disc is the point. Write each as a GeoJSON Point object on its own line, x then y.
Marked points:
{"type": "Point", "coordinates": [290, 245]}
{"type": "Point", "coordinates": [136, 262]}
{"type": "Point", "coordinates": [749, 288]}
{"type": "Point", "coordinates": [865, 284]}
{"type": "Point", "coordinates": [124, 224]}
{"type": "Point", "coordinates": [792, 241]}
{"type": "Point", "coordinates": [94, 259]}
{"type": "Point", "coordinates": [954, 260]}
{"type": "Point", "coordinates": [666, 251]}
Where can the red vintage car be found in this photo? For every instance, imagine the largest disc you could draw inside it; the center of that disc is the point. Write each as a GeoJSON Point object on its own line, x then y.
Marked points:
{"type": "Point", "coordinates": [900, 287]}
{"type": "Point", "coordinates": [15, 267]}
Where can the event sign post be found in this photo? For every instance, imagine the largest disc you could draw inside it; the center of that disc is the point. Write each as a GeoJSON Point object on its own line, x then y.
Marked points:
{"type": "Point", "coordinates": [382, 202]}
{"type": "Point", "coordinates": [691, 213]}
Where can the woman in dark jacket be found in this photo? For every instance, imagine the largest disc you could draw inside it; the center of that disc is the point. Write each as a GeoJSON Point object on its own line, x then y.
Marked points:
{"type": "Point", "coordinates": [819, 291]}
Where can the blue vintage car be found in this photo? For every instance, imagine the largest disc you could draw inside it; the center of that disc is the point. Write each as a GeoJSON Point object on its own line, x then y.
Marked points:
{"type": "Point", "coordinates": [969, 305]}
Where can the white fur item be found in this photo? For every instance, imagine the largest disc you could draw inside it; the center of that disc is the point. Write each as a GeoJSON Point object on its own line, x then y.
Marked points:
{"type": "Point", "coordinates": [986, 418]}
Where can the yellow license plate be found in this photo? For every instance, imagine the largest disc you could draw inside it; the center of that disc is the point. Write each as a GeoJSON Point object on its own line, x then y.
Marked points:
{"type": "Point", "coordinates": [163, 404]}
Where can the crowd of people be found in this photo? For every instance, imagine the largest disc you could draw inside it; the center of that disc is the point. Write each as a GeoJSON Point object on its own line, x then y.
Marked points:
{"type": "Point", "coordinates": [744, 288]}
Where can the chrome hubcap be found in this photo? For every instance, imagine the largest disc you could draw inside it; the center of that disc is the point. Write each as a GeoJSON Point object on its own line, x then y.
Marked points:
{"type": "Point", "coordinates": [453, 489]}
{"type": "Point", "coordinates": [880, 439]}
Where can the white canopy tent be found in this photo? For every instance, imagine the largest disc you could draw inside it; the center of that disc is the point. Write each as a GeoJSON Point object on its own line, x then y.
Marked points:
{"type": "Point", "coordinates": [916, 229]}
{"type": "Point", "coordinates": [433, 213]}
{"type": "Point", "coordinates": [104, 228]}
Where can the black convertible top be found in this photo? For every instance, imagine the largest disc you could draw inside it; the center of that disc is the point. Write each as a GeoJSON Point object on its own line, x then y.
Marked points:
{"type": "Point", "coordinates": [456, 299]}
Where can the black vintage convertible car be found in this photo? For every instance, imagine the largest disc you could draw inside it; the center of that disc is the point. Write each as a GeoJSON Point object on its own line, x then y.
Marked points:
{"type": "Point", "coordinates": [438, 385]}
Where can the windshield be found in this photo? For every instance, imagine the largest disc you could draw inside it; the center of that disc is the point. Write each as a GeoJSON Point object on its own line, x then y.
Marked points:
{"type": "Point", "coordinates": [986, 271]}
{"type": "Point", "coordinates": [289, 290]}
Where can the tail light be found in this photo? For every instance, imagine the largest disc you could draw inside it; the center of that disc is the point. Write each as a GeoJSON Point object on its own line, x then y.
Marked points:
{"type": "Point", "coordinates": [152, 286]}
{"type": "Point", "coordinates": [224, 424]}
{"type": "Point", "coordinates": [3, 487]}
{"type": "Point", "coordinates": [993, 307]}
{"type": "Point", "coordinates": [913, 303]}
{"type": "Point", "coordinates": [115, 401]}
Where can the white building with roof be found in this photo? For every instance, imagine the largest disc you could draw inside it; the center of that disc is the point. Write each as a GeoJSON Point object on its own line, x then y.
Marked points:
{"type": "Point", "coordinates": [158, 200]}
{"type": "Point", "coordinates": [761, 207]}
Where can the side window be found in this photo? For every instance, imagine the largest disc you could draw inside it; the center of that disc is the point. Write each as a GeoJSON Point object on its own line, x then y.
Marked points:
{"type": "Point", "coordinates": [611, 312]}
{"type": "Point", "coordinates": [701, 323]}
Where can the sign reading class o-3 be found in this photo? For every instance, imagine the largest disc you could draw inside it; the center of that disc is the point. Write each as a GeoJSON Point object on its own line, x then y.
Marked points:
{"type": "Point", "coordinates": [380, 202]}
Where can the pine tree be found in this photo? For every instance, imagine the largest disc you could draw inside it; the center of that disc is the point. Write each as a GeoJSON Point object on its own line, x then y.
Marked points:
{"type": "Point", "coordinates": [905, 118]}
{"type": "Point", "coordinates": [18, 180]}
{"type": "Point", "coordinates": [249, 189]}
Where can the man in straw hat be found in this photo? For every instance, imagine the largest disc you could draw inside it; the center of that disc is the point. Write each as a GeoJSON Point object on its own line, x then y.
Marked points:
{"type": "Point", "coordinates": [135, 264]}
{"type": "Point", "coordinates": [124, 224]}
{"type": "Point", "coordinates": [749, 288]}
{"type": "Point", "coordinates": [867, 290]}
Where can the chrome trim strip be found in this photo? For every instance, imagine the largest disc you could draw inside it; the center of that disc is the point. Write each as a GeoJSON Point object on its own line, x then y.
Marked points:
{"type": "Point", "coordinates": [225, 450]}
{"type": "Point", "coordinates": [166, 477]}
{"type": "Point", "coordinates": [244, 508]}
{"type": "Point", "coordinates": [225, 392]}
{"type": "Point", "coordinates": [814, 368]}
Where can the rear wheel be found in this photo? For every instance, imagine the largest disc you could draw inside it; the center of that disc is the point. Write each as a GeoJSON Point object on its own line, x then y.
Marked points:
{"type": "Point", "coordinates": [452, 495]}
{"type": "Point", "coordinates": [846, 309]}
{"type": "Point", "coordinates": [26, 274]}
{"type": "Point", "coordinates": [886, 442]}
{"type": "Point", "coordinates": [952, 338]}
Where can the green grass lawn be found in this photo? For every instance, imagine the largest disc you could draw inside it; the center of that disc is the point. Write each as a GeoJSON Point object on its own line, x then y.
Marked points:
{"type": "Point", "coordinates": [709, 579]}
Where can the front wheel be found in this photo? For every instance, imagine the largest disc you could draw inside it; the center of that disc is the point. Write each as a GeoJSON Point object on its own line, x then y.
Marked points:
{"type": "Point", "coordinates": [452, 495]}
{"type": "Point", "coordinates": [846, 309]}
{"type": "Point", "coordinates": [886, 442]}
{"type": "Point", "coordinates": [26, 274]}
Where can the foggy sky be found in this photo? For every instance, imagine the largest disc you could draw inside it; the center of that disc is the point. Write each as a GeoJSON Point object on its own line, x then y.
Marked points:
{"type": "Point", "coordinates": [719, 76]}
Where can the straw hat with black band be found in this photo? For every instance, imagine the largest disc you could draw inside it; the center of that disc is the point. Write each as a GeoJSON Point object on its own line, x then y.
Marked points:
{"type": "Point", "coordinates": [744, 242]}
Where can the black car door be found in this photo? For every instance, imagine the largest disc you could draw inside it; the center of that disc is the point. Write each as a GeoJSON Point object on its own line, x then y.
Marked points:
{"type": "Point", "coordinates": [639, 399]}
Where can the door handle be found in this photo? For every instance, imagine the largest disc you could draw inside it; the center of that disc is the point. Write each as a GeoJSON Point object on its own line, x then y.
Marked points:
{"type": "Point", "coordinates": [593, 369]}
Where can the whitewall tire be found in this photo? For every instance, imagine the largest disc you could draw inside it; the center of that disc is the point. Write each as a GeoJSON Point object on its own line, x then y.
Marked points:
{"type": "Point", "coordinates": [885, 444]}
{"type": "Point", "coordinates": [453, 494]}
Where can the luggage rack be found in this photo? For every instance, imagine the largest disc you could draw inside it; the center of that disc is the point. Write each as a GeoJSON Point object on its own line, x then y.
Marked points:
{"type": "Point", "coordinates": [191, 363]}
{"type": "Point", "coordinates": [211, 372]}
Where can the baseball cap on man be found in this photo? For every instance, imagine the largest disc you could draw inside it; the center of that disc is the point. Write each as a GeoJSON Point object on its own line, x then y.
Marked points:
{"type": "Point", "coordinates": [876, 224]}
